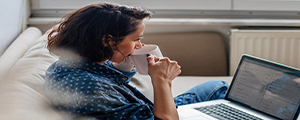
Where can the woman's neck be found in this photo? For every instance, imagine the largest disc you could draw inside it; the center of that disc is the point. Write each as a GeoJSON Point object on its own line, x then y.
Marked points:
{"type": "Point", "coordinates": [100, 63]}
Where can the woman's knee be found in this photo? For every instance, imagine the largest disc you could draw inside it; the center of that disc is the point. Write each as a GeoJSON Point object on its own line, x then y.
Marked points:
{"type": "Point", "coordinates": [218, 90]}
{"type": "Point", "coordinates": [210, 90]}
{"type": "Point", "coordinates": [217, 83]}
{"type": "Point", "coordinates": [208, 86]}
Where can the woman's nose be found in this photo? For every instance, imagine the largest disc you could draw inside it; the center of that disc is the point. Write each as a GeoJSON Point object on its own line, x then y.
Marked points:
{"type": "Point", "coordinates": [138, 45]}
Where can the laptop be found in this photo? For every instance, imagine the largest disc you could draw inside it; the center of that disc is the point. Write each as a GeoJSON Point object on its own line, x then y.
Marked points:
{"type": "Point", "coordinates": [260, 89]}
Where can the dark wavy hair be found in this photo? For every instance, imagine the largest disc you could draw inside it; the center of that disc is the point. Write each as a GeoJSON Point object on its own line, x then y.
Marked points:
{"type": "Point", "coordinates": [83, 31]}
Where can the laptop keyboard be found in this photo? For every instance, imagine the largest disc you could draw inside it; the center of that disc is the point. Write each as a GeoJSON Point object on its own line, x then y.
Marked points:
{"type": "Point", "coordinates": [225, 112]}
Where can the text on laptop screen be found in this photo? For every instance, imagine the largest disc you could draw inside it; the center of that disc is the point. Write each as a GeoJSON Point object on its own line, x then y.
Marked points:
{"type": "Point", "coordinates": [267, 87]}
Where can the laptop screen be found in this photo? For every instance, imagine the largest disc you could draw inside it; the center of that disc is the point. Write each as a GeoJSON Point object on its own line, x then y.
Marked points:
{"type": "Point", "coordinates": [267, 87]}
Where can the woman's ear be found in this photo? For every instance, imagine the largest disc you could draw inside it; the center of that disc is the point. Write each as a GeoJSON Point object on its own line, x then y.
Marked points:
{"type": "Point", "coordinates": [110, 41]}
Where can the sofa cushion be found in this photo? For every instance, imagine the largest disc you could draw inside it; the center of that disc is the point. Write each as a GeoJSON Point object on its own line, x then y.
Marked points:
{"type": "Point", "coordinates": [22, 92]}
{"type": "Point", "coordinates": [198, 53]}
{"type": "Point", "coordinates": [17, 49]}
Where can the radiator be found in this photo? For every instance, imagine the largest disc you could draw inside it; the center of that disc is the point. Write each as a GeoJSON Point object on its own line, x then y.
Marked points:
{"type": "Point", "coordinates": [278, 45]}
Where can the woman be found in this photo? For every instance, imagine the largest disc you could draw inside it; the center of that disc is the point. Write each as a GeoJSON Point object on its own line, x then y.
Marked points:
{"type": "Point", "coordinates": [92, 74]}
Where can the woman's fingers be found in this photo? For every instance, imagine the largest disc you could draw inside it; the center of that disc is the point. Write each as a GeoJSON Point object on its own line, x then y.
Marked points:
{"type": "Point", "coordinates": [163, 66]}
{"type": "Point", "coordinates": [176, 69]}
{"type": "Point", "coordinates": [154, 57]}
{"type": "Point", "coordinates": [151, 59]}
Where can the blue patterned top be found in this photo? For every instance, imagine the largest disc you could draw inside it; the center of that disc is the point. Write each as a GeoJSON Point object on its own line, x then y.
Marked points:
{"type": "Point", "coordinates": [99, 91]}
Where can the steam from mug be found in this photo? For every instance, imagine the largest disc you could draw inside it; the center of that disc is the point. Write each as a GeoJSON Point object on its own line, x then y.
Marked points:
{"type": "Point", "coordinates": [139, 57]}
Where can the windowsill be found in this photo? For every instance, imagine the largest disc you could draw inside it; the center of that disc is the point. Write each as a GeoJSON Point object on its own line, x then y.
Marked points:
{"type": "Point", "coordinates": [192, 21]}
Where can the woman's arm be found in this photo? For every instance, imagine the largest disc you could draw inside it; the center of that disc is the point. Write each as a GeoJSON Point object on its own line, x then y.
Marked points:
{"type": "Point", "coordinates": [162, 72]}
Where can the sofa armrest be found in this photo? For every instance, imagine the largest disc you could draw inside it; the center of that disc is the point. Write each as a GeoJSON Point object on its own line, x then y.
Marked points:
{"type": "Point", "coordinates": [17, 49]}
{"type": "Point", "coordinates": [22, 92]}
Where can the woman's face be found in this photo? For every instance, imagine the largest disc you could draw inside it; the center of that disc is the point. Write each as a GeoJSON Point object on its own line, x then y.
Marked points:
{"type": "Point", "coordinates": [127, 46]}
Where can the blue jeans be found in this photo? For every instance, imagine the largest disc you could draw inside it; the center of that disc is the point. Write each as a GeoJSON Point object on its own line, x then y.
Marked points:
{"type": "Point", "coordinates": [210, 90]}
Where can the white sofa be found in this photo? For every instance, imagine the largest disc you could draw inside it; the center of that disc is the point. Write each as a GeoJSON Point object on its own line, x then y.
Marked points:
{"type": "Point", "coordinates": [23, 65]}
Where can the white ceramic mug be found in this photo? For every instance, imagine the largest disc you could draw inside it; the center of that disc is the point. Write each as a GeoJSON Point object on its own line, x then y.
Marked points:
{"type": "Point", "coordinates": [139, 57]}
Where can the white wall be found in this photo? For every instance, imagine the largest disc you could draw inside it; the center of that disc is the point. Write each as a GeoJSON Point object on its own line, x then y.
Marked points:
{"type": "Point", "coordinates": [12, 13]}
{"type": "Point", "coordinates": [184, 8]}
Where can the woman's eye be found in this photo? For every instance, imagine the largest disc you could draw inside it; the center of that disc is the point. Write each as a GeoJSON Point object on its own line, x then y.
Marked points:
{"type": "Point", "coordinates": [138, 39]}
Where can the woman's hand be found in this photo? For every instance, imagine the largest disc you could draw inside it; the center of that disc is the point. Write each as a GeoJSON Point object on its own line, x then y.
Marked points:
{"type": "Point", "coordinates": [162, 68]}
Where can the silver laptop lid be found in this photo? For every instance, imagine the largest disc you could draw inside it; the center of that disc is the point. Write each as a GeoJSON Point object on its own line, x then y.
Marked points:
{"type": "Point", "coordinates": [267, 87]}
